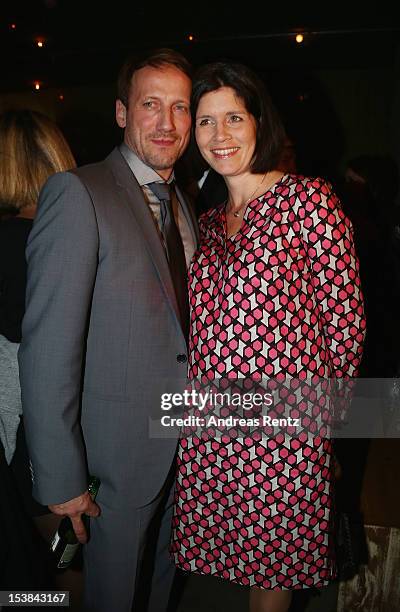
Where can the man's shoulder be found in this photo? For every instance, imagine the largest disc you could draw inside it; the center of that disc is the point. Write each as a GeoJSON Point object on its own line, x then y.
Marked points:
{"type": "Point", "coordinates": [100, 179]}
{"type": "Point", "coordinates": [92, 182]}
{"type": "Point", "coordinates": [97, 170]}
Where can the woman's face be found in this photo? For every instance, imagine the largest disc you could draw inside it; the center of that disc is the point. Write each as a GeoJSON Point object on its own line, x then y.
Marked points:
{"type": "Point", "coordinates": [225, 132]}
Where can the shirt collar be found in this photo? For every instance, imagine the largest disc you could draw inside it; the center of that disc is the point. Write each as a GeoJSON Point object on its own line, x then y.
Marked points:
{"type": "Point", "coordinates": [144, 174]}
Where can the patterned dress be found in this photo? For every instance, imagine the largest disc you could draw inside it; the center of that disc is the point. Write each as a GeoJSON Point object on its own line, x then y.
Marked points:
{"type": "Point", "coordinates": [282, 296]}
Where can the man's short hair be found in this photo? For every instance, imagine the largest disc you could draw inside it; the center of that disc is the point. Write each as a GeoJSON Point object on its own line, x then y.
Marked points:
{"type": "Point", "coordinates": [156, 59]}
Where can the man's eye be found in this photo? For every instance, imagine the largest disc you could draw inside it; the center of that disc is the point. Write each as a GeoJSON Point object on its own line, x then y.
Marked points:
{"type": "Point", "coordinates": [182, 108]}
{"type": "Point", "coordinates": [149, 104]}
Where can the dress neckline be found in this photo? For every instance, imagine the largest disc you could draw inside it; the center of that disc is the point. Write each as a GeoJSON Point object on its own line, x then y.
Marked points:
{"type": "Point", "coordinates": [249, 208]}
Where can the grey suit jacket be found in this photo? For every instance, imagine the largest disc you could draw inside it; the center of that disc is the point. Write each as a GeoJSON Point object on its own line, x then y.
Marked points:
{"type": "Point", "coordinates": [101, 338]}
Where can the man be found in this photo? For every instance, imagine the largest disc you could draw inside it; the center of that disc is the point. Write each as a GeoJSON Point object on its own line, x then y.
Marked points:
{"type": "Point", "coordinates": [104, 334]}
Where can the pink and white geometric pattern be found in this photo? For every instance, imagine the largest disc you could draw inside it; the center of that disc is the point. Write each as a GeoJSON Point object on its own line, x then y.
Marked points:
{"type": "Point", "coordinates": [282, 296]}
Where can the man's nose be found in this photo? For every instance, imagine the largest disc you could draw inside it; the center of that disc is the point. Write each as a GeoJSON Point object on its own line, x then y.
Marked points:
{"type": "Point", "coordinates": [166, 120]}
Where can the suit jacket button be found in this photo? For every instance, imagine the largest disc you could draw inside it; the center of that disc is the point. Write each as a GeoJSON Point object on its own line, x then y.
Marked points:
{"type": "Point", "coordinates": [181, 358]}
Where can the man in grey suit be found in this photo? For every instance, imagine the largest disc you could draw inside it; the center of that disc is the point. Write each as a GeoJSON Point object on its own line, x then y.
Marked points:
{"type": "Point", "coordinates": [104, 335]}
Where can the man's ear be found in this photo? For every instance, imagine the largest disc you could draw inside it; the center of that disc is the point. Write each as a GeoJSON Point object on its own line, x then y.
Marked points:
{"type": "Point", "coordinates": [120, 113]}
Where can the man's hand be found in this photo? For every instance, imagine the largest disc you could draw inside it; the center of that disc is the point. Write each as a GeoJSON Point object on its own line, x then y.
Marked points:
{"type": "Point", "coordinates": [74, 508]}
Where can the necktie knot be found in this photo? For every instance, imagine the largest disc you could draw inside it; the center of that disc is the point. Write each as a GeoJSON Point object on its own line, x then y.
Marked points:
{"type": "Point", "coordinates": [161, 191]}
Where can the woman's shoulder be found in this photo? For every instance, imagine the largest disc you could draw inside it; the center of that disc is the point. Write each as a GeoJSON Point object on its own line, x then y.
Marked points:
{"type": "Point", "coordinates": [307, 184]}
{"type": "Point", "coordinates": [308, 193]}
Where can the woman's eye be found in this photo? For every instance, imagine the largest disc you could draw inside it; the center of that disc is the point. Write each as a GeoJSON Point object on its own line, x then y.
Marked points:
{"type": "Point", "coordinates": [235, 118]}
{"type": "Point", "coordinates": [203, 122]}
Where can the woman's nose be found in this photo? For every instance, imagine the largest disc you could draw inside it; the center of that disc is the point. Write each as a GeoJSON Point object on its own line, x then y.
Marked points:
{"type": "Point", "coordinates": [221, 132]}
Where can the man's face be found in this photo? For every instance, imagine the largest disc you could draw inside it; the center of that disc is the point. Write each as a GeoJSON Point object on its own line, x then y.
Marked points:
{"type": "Point", "coordinates": [157, 119]}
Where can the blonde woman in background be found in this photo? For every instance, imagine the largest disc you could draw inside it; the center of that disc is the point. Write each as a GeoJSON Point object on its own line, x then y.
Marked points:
{"type": "Point", "coordinates": [32, 148]}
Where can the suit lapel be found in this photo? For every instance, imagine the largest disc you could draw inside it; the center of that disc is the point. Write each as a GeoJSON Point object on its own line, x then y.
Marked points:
{"type": "Point", "coordinates": [189, 214]}
{"type": "Point", "coordinates": [133, 196]}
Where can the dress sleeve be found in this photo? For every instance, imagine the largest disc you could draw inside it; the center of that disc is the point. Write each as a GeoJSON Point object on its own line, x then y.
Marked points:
{"type": "Point", "coordinates": [328, 236]}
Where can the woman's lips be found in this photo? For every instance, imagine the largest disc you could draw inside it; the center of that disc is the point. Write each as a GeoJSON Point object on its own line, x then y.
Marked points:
{"type": "Point", "coordinates": [224, 153]}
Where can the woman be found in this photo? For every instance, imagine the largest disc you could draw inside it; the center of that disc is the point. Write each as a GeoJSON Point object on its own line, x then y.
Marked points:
{"type": "Point", "coordinates": [264, 303]}
{"type": "Point", "coordinates": [32, 148]}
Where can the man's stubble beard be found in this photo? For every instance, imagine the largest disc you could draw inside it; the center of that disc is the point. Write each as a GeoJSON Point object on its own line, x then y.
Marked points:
{"type": "Point", "coordinates": [160, 160]}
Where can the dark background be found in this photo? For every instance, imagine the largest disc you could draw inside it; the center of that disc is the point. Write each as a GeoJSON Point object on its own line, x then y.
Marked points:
{"type": "Point", "coordinates": [338, 92]}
